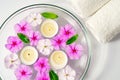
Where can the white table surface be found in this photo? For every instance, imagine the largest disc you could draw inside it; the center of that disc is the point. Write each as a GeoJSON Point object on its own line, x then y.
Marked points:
{"type": "Point", "coordinates": [105, 63]}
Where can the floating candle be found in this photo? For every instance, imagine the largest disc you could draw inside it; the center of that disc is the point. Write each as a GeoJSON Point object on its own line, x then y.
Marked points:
{"type": "Point", "coordinates": [28, 55]}
{"type": "Point", "coordinates": [58, 59]}
{"type": "Point", "coordinates": [49, 28]}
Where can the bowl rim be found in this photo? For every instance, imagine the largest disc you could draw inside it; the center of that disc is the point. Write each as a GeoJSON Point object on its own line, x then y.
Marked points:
{"type": "Point", "coordinates": [71, 14]}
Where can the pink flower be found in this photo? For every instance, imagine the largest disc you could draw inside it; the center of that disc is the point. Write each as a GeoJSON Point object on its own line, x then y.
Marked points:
{"type": "Point", "coordinates": [34, 38]}
{"type": "Point", "coordinates": [22, 27]}
{"type": "Point", "coordinates": [42, 65]}
{"type": "Point", "coordinates": [74, 51]}
{"type": "Point", "coordinates": [58, 41]}
{"type": "Point", "coordinates": [23, 72]}
{"type": "Point", "coordinates": [14, 44]}
{"type": "Point", "coordinates": [67, 31]}
{"type": "Point", "coordinates": [42, 76]}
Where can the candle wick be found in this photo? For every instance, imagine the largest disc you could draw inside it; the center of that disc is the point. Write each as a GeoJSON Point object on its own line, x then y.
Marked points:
{"type": "Point", "coordinates": [28, 54]}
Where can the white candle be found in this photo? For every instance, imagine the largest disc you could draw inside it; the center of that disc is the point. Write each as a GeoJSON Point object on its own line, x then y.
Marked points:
{"type": "Point", "coordinates": [28, 55]}
{"type": "Point", "coordinates": [49, 28]}
{"type": "Point", "coordinates": [58, 59]}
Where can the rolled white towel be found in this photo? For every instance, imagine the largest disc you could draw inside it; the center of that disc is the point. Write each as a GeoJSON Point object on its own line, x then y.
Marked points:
{"type": "Point", "coordinates": [85, 8]}
{"type": "Point", "coordinates": [105, 24]}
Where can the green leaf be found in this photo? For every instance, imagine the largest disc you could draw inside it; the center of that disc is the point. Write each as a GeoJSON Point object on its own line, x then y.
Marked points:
{"type": "Point", "coordinates": [0, 78]}
{"type": "Point", "coordinates": [49, 15]}
{"type": "Point", "coordinates": [23, 38]}
{"type": "Point", "coordinates": [72, 39]}
{"type": "Point", "coordinates": [53, 75]}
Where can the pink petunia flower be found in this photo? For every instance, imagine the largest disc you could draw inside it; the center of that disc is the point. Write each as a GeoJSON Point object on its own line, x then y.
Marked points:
{"type": "Point", "coordinates": [42, 76]}
{"type": "Point", "coordinates": [14, 44]}
{"type": "Point", "coordinates": [34, 38]}
{"type": "Point", "coordinates": [67, 31]}
{"type": "Point", "coordinates": [74, 51]}
{"type": "Point", "coordinates": [42, 65]}
{"type": "Point", "coordinates": [23, 72]}
{"type": "Point", "coordinates": [23, 27]}
{"type": "Point", "coordinates": [58, 41]}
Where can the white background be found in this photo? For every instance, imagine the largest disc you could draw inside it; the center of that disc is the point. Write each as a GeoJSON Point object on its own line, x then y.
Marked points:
{"type": "Point", "coordinates": [105, 63]}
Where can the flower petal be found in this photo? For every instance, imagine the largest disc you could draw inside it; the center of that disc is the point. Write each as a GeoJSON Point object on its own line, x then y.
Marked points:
{"type": "Point", "coordinates": [23, 72]}
{"type": "Point", "coordinates": [42, 65]}
{"type": "Point", "coordinates": [45, 46]}
{"type": "Point", "coordinates": [67, 73]}
{"type": "Point", "coordinates": [12, 61]}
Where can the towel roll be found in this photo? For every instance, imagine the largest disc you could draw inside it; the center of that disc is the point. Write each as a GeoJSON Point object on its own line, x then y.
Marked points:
{"type": "Point", "coordinates": [85, 8]}
{"type": "Point", "coordinates": [105, 24]}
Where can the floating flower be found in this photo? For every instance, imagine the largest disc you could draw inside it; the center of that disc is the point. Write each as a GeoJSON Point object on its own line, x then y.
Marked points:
{"type": "Point", "coordinates": [14, 44]}
{"type": "Point", "coordinates": [67, 31]}
{"type": "Point", "coordinates": [34, 19]}
{"type": "Point", "coordinates": [34, 37]}
{"type": "Point", "coordinates": [23, 72]}
{"type": "Point", "coordinates": [67, 74]}
{"type": "Point", "coordinates": [74, 51]}
{"type": "Point", "coordinates": [45, 46]}
{"type": "Point", "coordinates": [23, 27]}
{"type": "Point", "coordinates": [42, 76]}
{"type": "Point", "coordinates": [58, 41]}
{"type": "Point", "coordinates": [42, 65]}
{"type": "Point", "coordinates": [12, 61]}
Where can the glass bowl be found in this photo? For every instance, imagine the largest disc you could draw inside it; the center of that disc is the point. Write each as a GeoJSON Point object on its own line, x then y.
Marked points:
{"type": "Point", "coordinates": [7, 28]}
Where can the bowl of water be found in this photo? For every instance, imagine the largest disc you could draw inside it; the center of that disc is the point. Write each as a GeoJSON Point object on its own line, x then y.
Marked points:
{"type": "Point", "coordinates": [44, 41]}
